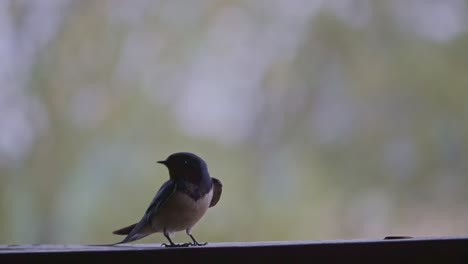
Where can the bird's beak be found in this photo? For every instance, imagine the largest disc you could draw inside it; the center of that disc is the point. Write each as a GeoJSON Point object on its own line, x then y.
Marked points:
{"type": "Point", "coordinates": [162, 162]}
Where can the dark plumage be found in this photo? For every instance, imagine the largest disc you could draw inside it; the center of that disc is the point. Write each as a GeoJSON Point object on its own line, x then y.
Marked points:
{"type": "Point", "coordinates": [180, 202]}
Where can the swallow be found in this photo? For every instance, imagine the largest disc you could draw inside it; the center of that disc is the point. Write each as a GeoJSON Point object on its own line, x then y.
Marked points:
{"type": "Point", "coordinates": [180, 202]}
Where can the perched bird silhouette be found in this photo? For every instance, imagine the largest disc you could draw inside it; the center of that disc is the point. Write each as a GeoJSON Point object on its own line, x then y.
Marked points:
{"type": "Point", "coordinates": [180, 202]}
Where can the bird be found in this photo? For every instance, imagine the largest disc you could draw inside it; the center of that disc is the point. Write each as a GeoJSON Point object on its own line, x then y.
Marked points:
{"type": "Point", "coordinates": [180, 202]}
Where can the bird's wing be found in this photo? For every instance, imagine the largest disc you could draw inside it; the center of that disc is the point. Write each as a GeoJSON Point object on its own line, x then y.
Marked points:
{"type": "Point", "coordinates": [166, 190]}
{"type": "Point", "coordinates": [217, 190]}
{"type": "Point", "coordinates": [140, 229]}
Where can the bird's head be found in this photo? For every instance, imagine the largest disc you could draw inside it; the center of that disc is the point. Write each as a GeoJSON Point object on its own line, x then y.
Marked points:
{"type": "Point", "coordinates": [186, 166]}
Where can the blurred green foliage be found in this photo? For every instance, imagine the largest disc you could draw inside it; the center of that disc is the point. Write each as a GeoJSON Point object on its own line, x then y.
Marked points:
{"type": "Point", "coordinates": [323, 119]}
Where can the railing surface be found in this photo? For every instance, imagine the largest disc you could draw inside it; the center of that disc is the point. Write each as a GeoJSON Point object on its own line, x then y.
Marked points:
{"type": "Point", "coordinates": [397, 250]}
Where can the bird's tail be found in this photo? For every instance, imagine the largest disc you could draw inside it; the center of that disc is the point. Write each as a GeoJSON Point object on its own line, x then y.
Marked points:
{"type": "Point", "coordinates": [134, 232]}
{"type": "Point", "coordinates": [125, 230]}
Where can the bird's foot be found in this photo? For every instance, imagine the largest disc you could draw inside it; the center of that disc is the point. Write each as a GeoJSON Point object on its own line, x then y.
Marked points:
{"type": "Point", "coordinates": [197, 244]}
{"type": "Point", "coordinates": [176, 245]}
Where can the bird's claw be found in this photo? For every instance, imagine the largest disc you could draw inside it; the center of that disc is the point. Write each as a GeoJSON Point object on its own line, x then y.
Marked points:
{"type": "Point", "coordinates": [176, 245]}
{"type": "Point", "coordinates": [197, 244]}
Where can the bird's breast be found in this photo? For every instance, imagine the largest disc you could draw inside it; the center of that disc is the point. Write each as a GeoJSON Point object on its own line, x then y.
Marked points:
{"type": "Point", "coordinates": [181, 212]}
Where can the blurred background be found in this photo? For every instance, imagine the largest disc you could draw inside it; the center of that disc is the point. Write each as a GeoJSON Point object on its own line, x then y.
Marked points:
{"type": "Point", "coordinates": [323, 119]}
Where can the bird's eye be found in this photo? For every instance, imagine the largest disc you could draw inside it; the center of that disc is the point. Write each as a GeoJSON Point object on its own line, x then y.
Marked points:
{"type": "Point", "coordinates": [185, 162]}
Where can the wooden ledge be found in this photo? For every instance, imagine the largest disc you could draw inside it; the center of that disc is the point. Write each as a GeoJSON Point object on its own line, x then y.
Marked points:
{"type": "Point", "coordinates": [409, 250]}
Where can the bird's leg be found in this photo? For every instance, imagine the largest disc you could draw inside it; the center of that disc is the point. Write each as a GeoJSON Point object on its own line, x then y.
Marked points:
{"type": "Point", "coordinates": [195, 242]}
{"type": "Point", "coordinates": [170, 241]}
{"type": "Point", "coordinates": [172, 244]}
